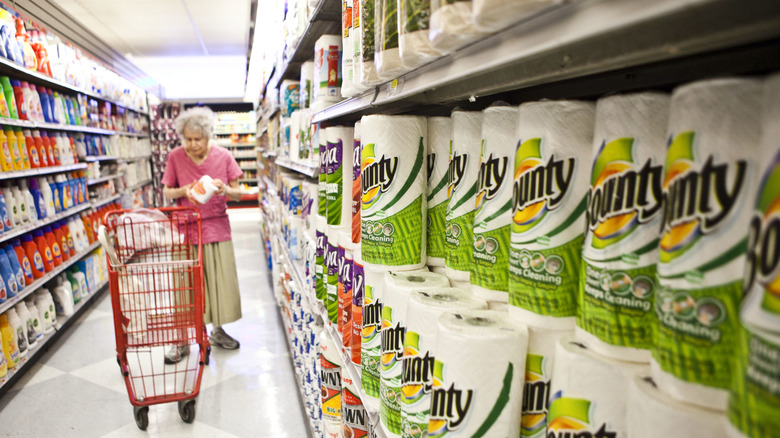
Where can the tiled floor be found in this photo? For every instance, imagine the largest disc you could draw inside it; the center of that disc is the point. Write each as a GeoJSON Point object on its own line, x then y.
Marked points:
{"type": "Point", "coordinates": [76, 389]}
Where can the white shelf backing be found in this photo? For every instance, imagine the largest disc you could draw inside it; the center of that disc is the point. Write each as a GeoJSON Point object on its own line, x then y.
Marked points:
{"type": "Point", "coordinates": [41, 171]}
{"type": "Point", "coordinates": [589, 47]}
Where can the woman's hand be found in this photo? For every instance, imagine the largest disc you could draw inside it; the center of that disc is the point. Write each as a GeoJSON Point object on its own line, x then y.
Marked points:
{"type": "Point", "coordinates": [221, 187]}
{"type": "Point", "coordinates": [188, 193]}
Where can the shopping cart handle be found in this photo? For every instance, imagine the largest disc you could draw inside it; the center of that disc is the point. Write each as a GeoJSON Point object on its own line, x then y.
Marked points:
{"type": "Point", "coordinates": [103, 238]}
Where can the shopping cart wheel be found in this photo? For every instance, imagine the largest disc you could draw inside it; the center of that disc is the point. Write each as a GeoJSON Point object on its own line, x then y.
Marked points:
{"type": "Point", "coordinates": [187, 410]}
{"type": "Point", "coordinates": [141, 414]}
{"type": "Point", "coordinates": [208, 355]}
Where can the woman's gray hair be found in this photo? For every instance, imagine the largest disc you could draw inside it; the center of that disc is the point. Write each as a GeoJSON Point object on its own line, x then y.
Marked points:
{"type": "Point", "coordinates": [199, 119]}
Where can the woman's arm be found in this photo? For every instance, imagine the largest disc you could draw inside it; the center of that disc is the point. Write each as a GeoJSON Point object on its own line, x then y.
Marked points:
{"type": "Point", "coordinates": [174, 193]}
{"type": "Point", "coordinates": [233, 191]}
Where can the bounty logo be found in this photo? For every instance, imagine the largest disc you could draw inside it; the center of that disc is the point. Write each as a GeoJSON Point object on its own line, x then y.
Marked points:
{"type": "Point", "coordinates": [376, 176]}
{"type": "Point", "coordinates": [449, 406]}
{"type": "Point", "coordinates": [621, 197]}
{"type": "Point", "coordinates": [763, 256]}
{"type": "Point", "coordinates": [372, 316]}
{"type": "Point", "coordinates": [537, 187]}
{"type": "Point", "coordinates": [571, 418]}
{"type": "Point", "coordinates": [456, 170]}
{"type": "Point", "coordinates": [536, 393]}
{"type": "Point", "coordinates": [391, 340]}
{"type": "Point", "coordinates": [416, 370]}
{"type": "Point", "coordinates": [697, 199]}
{"type": "Point", "coordinates": [491, 177]}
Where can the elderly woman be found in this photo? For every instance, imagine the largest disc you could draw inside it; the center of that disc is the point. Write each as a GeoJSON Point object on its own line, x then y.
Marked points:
{"type": "Point", "coordinates": [186, 164]}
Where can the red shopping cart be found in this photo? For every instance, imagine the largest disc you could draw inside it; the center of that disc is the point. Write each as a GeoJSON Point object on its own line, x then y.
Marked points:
{"type": "Point", "coordinates": [155, 277]}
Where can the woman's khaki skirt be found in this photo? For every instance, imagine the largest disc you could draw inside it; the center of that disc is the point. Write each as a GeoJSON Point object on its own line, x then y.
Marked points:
{"type": "Point", "coordinates": [222, 297]}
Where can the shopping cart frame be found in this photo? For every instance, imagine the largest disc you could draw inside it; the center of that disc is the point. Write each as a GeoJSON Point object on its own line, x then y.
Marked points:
{"type": "Point", "coordinates": [156, 284]}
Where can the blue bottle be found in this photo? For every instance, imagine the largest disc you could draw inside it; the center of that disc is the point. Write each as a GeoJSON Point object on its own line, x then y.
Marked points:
{"type": "Point", "coordinates": [45, 104]}
{"type": "Point", "coordinates": [15, 266]}
{"type": "Point", "coordinates": [8, 275]}
{"type": "Point", "coordinates": [40, 203]}
{"type": "Point", "coordinates": [4, 216]}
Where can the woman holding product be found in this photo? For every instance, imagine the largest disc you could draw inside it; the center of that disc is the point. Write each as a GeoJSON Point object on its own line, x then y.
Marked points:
{"type": "Point", "coordinates": [197, 157]}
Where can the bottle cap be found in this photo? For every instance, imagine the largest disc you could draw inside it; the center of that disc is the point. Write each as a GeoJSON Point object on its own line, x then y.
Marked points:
{"type": "Point", "coordinates": [38, 233]}
{"type": "Point", "coordinates": [27, 238]}
{"type": "Point", "coordinates": [46, 229]}
{"type": "Point", "coordinates": [15, 83]}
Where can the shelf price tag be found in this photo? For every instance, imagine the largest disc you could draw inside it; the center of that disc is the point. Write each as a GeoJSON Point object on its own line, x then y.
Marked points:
{"type": "Point", "coordinates": [394, 87]}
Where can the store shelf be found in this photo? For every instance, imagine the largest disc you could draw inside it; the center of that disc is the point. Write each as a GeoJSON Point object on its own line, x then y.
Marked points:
{"type": "Point", "coordinates": [104, 179]}
{"type": "Point", "coordinates": [236, 145]}
{"type": "Point", "coordinates": [93, 158]}
{"type": "Point", "coordinates": [586, 48]}
{"type": "Point", "coordinates": [286, 324]}
{"type": "Point", "coordinates": [270, 186]}
{"type": "Point", "coordinates": [138, 185]}
{"type": "Point", "coordinates": [18, 231]}
{"type": "Point", "coordinates": [138, 158]}
{"type": "Point", "coordinates": [41, 171]}
{"type": "Point", "coordinates": [101, 202]}
{"type": "Point", "coordinates": [302, 168]}
{"type": "Point", "coordinates": [239, 132]}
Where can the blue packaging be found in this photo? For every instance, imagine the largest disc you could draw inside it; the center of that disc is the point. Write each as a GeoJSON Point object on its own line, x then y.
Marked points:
{"type": "Point", "coordinates": [9, 277]}
{"type": "Point", "coordinates": [15, 266]}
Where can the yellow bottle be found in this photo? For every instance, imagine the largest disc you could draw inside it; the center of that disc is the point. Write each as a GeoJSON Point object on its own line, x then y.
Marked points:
{"type": "Point", "coordinates": [3, 364]}
{"type": "Point", "coordinates": [13, 145]}
{"type": "Point", "coordinates": [22, 147]}
{"type": "Point", "coordinates": [10, 347]}
{"type": "Point", "coordinates": [6, 160]}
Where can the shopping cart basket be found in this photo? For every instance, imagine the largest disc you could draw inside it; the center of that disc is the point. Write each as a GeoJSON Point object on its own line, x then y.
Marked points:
{"type": "Point", "coordinates": [155, 277]}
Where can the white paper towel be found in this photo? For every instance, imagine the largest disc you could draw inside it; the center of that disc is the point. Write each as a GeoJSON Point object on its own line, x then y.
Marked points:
{"type": "Point", "coordinates": [701, 254]}
{"type": "Point", "coordinates": [332, 258]}
{"type": "Point", "coordinates": [387, 58]}
{"type": "Point", "coordinates": [320, 269]}
{"type": "Point", "coordinates": [353, 413]}
{"type": "Point", "coordinates": [480, 358]}
{"type": "Point", "coordinates": [356, 151]}
{"type": "Point", "coordinates": [547, 230]}
{"type": "Point", "coordinates": [327, 69]}
{"type": "Point", "coordinates": [364, 60]}
{"type": "Point", "coordinates": [439, 270]}
{"type": "Point", "coordinates": [339, 180]}
{"type": "Point", "coordinates": [494, 15]}
{"type": "Point", "coordinates": [330, 378]}
{"type": "Point", "coordinates": [423, 312]}
{"type": "Point", "coordinates": [615, 315]}
{"type": "Point", "coordinates": [309, 205]}
{"type": "Point", "coordinates": [322, 175]}
{"type": "Point", "coordinates": [332, 430]}
{"type": "Point", "coordinates": [461, 190]}
{"type": "Point", "coordinates": [393, 191]}
{"type": "Point", "coordinates": [373, 301]}
{"type": "Point", "coordinates": [305, 84]}
{"type": "Point", "coordinates": [451, 25]}
{"type": "Point", "coordinates": [652, 414]}
{"type": "Point", "coordinates": [439, 137]}
{"type": "Point", "coordinates": [295, 139]}
{"type": "Point", "coordinates": [492, 211]}
{"type": "Point", "coordinates": [348, 51]}
{"type": "Point", "coordinates": [290, 97]}
{"type": "Point", "coordinates": [414, 26]}
{"type": "Point", "coordinates": [589, 392]}
{"type": "Point", "coordinates": [344, 311]}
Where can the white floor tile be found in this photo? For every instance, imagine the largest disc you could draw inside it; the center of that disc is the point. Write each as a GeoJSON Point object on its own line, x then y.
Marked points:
{"type": "Point", "coordinates": [39, 373]}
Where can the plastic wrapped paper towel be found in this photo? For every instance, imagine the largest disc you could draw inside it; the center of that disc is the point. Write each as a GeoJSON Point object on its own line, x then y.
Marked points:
{"type": "Point", "coordinates": [358, 294]}
{"type": "Point", "coordinates": [439, 137]}
{"type": "Point", "coordinates": [492, 212]}
{"type": "Point", "coordinates": [345, 290]}
{"type": "Point", "coordinates": [548, 221]}
{"type": "Point", "coordinates": [290, 97]}
{"type": "Point", "coordinates": [327, 71]}
{"type": "Point", "coordinates": [350, 20]}
{"type": "Point", "coordinates": [367, 36]}
{"type": "Point", "coordinates": [339, 179]}
{"type": "Point", "coordinates": [332, 257]}
{"type": "Point", "coordinates": [393, 191]}
{"type": "Point", "coordinates": [322, 175]}
{"type": "Point", "coordinates": [388, 56]}
{"type": "Point", "coordinates": [461, 188]}
{"type": "Point", "coordinates": [709, 187]}
{"type": "Point", "coordinates": [356, 151]}
{"type": "Point", "coordinates": [423, 312]}
{"type": "Point", "coordinates": [451, 25]}
{"type": "Point", "coordinates": [478, 375]}
{"type": "Point", "coordinates": [330, 372]}
{"type": "Point", "coordinates": [295, 138]}
{"type": "Point", "coordinates": [353, 413]}
{"type": "Point", "coordinates": [617, 284]}
{"type": "Point", "coordinates": [589, 392]}
{"type": "Point", "coordinates": [494, 15]}
{"type": "Point", "coordinates": [414, 26]}
{"type": "Point", "coordinates": [305, 85]}
{"type": "Point", "coordinates": [373, 301]}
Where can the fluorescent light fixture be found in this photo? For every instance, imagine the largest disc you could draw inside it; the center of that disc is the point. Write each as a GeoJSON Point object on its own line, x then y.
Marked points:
{"type": "Point", "coordinates": [197, 77]}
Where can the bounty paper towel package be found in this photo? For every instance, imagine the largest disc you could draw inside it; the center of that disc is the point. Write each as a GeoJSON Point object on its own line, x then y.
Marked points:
{"type": "Point", "coordinates": [461, 191]}
{"type": "Point", "coordinates": [372, 325]}
{"type": "Point", "coordinates": [423, 312]}
{"type": "Point", "coordinates": [651, 414]}
{"type": "Point", "coordinates": [439, 137]}
{"type": "Point", "coordinates": [327, 71]}
{"type": "Point", "coordinates": [414, 25]}
{"type": "Point", "coordinates": [451, 25]}
{"type": "Point", "coordinates": [387, 57]}
{"type": "Point", "coordinates": [589, 392]}
{"type": "Point", "coordinates": [367, 34]}
{"type": "Point", "coordinates": [623, 215]}
{"type": "Point", "coordinates": [548, 211]}
{"type": "Point", "coordinates": [478, 375]}
{"type": "Point", "coordinates": [709, 188]}
{"type": "Point", "coordinates": [392, 178]}
{"type": "Point", "coordinates": [339, 178]}
{"type": "Point", "coordinates": [492, 211]}
{"type": "Point", "coordinates": [494, 15]}
{"type": "Point", "coordinates": [356, 151]}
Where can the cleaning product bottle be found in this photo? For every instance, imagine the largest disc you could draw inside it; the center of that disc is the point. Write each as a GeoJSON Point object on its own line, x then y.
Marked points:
{"type": "Point", "coordinates": [88, 231]}
{"type": "Point", "coordinates": [45, 104]}
{"type": "Point", "coordinates": [10, 203]}
{"type": "Point", "coordinates": [32, 111]}
{"type": "Point", "coordinates": [67, 192]}
{"type": "Point", "coordinates": [21, 105]}
{"type": "Point", "coordinates": [16, 324]}
{"type": "Point", "coordinates": [5, 216]}
{"type": "Point", "coordinates": [81, 278]}
{"type": "Point", "coordinates": [62, 242]}
{"type": "Point", "coordinates": [36, 317]}
{"type": "Point", "coordinates": [63, 279]}
{"type": "Point", "coordinates": [9, 276]}
{"type": "Point", "coordinates": [74, 284]}
{"type": "Point", "coordinates": [44, 250]}
{"type": "Point", "coordinates": [55, 193]}
{"type": "Point", "coordinates": [38, 201]}
{"type": "Point", "coordinates": [46, 297]}
{"type": "Point", "coordinates": [63, 302]}
{"type": "Point", "coordinates": [21, 203]}
{"type": "Point", "coordinates": [51, 240]}
{"type": "Point", "coordinates": [16, 269]}
{"type": "Point", "coordinates": [42, 144]}
{"type": "Point", "coordinates": [20, 149]}
{"type": "Point", "coordinates": [10, 98]}
{"type": "Point", "coordinates": [6, 159]}
{"type": "Point", "coordinates": [75, 231]}
{"type": "Point", "coordinates": [36, 102]}
{"type": "Point", "coordinates": [3, 361]}
{"type": "Point", "coordinates": [69, 235]}
{"type": "Point", "coordinates": [56, 114]}
{"type": "Point", "coordinates": [3, 290]}
{"type": "Point", "coordinates": [10, 347]}
{"type": "Point", "coordinates": [29, 201]}
{"type": "Point", "coordinates": [27, 321]}
{"type": "Point", "coordinates": [42, 304]}
{"type": "Point", "coordinates": [55, 148]}
{"type": "Point", "coordinates": [24, 262]}
{"type": "Point", "coordinates": [32, 149]}
{"type": "Point", "coordinates": [34, 256]}
{"type": "Point", "coordinates": [48, 196]}
{"type": "Point", "coordinates": [13, 147]}
{"type": "Point", "coordinates": [4, 112]}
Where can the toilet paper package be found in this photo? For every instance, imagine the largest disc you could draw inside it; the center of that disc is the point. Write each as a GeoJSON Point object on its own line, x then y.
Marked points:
{"type": "Point", "coordinates": [398, 287]}
{"type": "Point", "coordinates": [494, 15]}
{"type": "Point", "coordinates": [305, 84]}
{"type": "Point", "coordinates": [330, 372]}
{"type": "Point", "coordinates": [709, 190]}
{"type": "Point", "coordinates": [393, 201]}
{"type": "Point", "coordinates": [320, 268]}
{"type": "Point", "coordinates": [461, 190]}
{"type": "Point", "coordinates": [619, 254]}
{"type": "Point", "coordinates": [387, 57]}
{"type": "Point", "coordinates": [589, 392]}
{"type": "Point", "coordinates": [327, 70]}
{"type": "Point", "coordinates": [290, 97]}
{"type": "Point", "coordinates": [651, 414]}
{"type": "Point", "coordinates": [339, 179]}
{"type": "Point", "coordinates": [367, 35]}
{"type": "Point", "coordinates": [451, 25]}
{"type": "Point", "coordinates": [332, 258]}
{"type": "Point", "coordinates": [356, 151]}
{"type": "Point", "coordinates": [414, 45]}
{"type": "Point", "coordinates": [492, 212]}
{"type": "Point", "coordinates": [348, 52]}
{"type": "Point", "coordinates": [478, 375]}
{"type": "Point", "coordinates": [539, 364]}
{"type": "Point", "coordinates": [423, 312]}
{"type": "Point", "coordinates": [345, 289]}
{"type": "Point", "coordinates": [439, 137]}
{"type": "Point", "coordinates": [372, 324]}
{"type": "Point", "coordinates": [358, 294]}
{"type": "Point", "coordinates": [548, 220]}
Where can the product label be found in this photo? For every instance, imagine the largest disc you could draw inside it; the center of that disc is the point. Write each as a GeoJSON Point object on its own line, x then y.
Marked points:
{"type": "Point", "coordinates": [354, 416]}
{"type": "Point", "coordinates": [437, 224]}
{"type": "Point", "coordinates": [371, 341]}
{"type": "Point", "coordinates": [335, 181]}
{"type": "Point", "coordinates": [491, 253]}
{"type": "Point", "coordinates": [38, 261]}
{"type": "Point", "coordinates": [416, 384]}
{"type": "Point", "coordinates": [334, 71]}
{"type": "Point", "coordinates": [391, 241]}
{"type": "Point", "coordinates": [330, 379]}
{"type": "Point", "coordinates": [320, 281]}
{"type": "Point", "coordinates": [536, 395]}
{"type": "Point", "coordinates": [574, 417]}
{"type": "Point", "coordinates": [322, 199]}
{"type": "Point", "coordinates": [356, 191]}
{"type": "Point", "coordinates": [392, 350]}
{"type": "Point", "coordinates": [332, 262]}
{"type": "Point", "coordinates": [345, 298]}
{"type": "Point", "coordinates": [27, 268]}
{"type": "Point", "coordinates": [358, 290]}
{"type": "Point", "coordinates": [458, 238]}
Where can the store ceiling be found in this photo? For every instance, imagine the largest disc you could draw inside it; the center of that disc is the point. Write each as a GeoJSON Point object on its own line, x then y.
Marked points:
{"type": "Point", "coordinates": [196, 49]}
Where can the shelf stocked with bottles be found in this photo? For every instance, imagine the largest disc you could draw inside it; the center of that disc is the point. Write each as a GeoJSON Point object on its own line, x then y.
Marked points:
{"type": "Point", "coordinates": [41, 171]}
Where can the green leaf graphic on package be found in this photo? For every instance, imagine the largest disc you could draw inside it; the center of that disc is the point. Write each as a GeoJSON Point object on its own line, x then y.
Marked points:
{"type": "Point", "coordinates": [571, 417]}
{"type": "Point", "coordinates": [536, 393]}
{"type": "Point", "coordinates": [699, 195]}
{"type": "Point", "coordinates": [436, 229]}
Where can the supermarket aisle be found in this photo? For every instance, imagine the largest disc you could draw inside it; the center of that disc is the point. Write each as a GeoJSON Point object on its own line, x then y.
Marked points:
{"type": "Point", "coordinates": [76, 390]}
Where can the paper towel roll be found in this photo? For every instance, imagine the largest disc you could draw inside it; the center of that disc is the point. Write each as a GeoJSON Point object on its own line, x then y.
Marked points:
{"type": "Point", "coordinates": [492, 212]}
{"type": "Point", "coordinates": [451, 26]}
{"type": "Point", "coordinates": [393, 191]}
{"type": "Point", "coordinates": [314, 154]}
{"type": "Point", "coordinates": [651, 414]}
{"type": "Point", "coordinates": [494, 15]}
{"type": "Point", "coordinates": [320, 268]}
{"type": "Point", "coordinates": [322, 175]}
{"type": "Point", "coordinates": [339, 179]}
{"type": "Point", "coordinates": [290, 98]}
{"type": "Point", "coordinates": [461, 189]}
{"type": "Point", "coordinates": [345, 288]}
{"type": "Point", "coordinates": [547, 230]}
{"type": "Point", "coordinates": [501, 306]}
{"type": "Point", "coordinates": [327, 69]}
{"type": "Point", "coordinates": [439, 270]}
{"type": "Point", "coordinates": [356, 150]}
{"type": "Point", "coordinates": [423, 312]}
{"type": "Point", "coordinates": [373, 301]}
{"type": "Point", "coordinates": [354, 416]}
{"type": "Point", "coordinates": [305, 84]}
{"type": "Point", "coordinates": [358, 293]}
{"type": "Point", "coordinates": [615, 315]}
{"type": "Point", "coordinates": [589, 392]}
{"type": "Point", "coordinates": [348, 51]}
{"type": "Point", "coordinates": [332, 257]}
{"type": "Point", "coordinates": [478, 372]}
{"type": "Point", "coordinates": [332, 430]}
{"type": "Point", "coordinates": [295, 138]}
{"type": "Point", "coordinates": [330, 376]}
{"type": "Point", "coordinates": [368, 74]}
{"type": "Point", "coordinates": [414, 25]}
{"type": "Point", "coordinates": [439, 137]}
{"type": "Point", "coordinates": [309, 204]}
{"type": "Point", "coordinates": [387, 57]}
{"type": "Point", "coordinates": [701, 253]}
